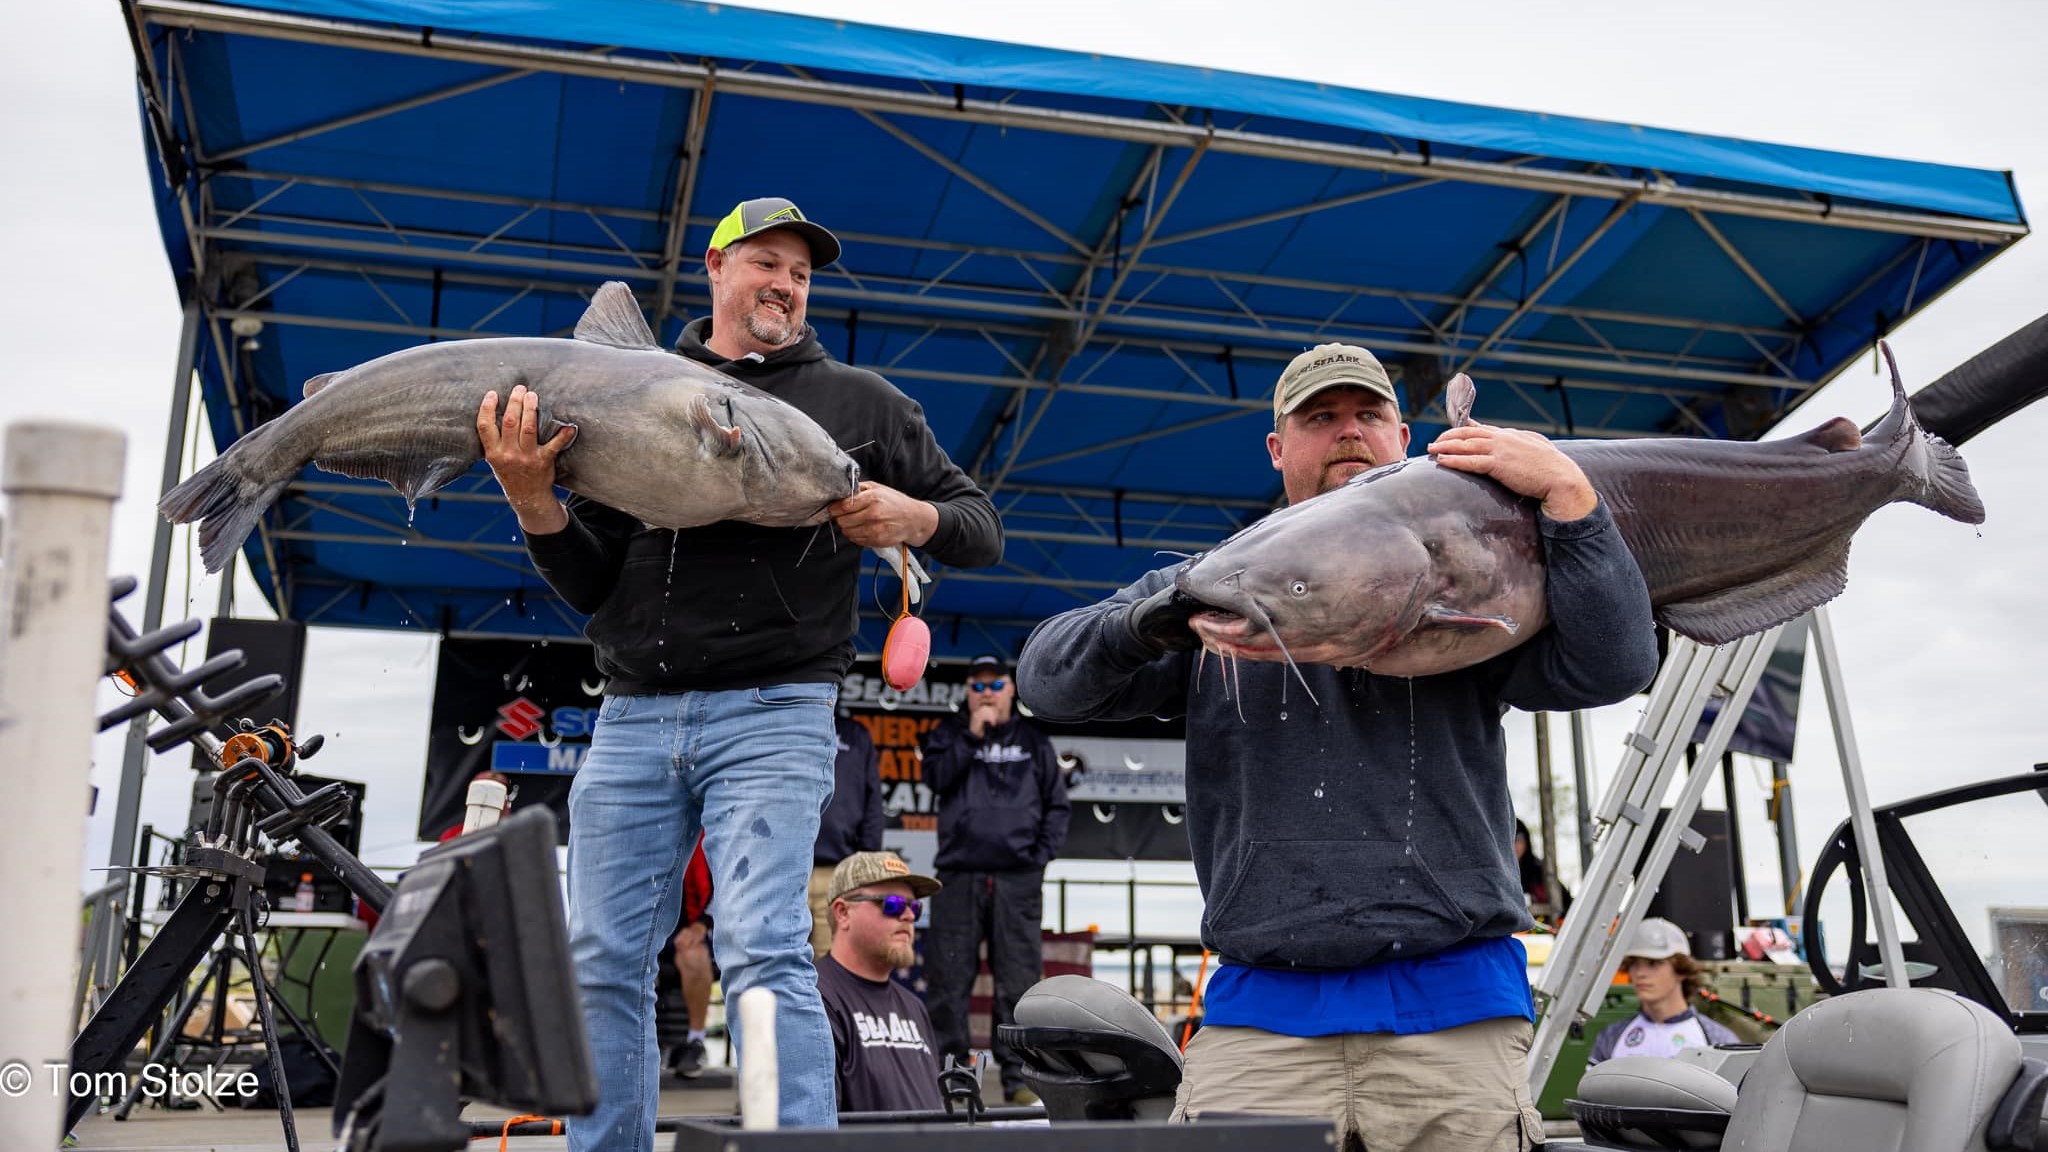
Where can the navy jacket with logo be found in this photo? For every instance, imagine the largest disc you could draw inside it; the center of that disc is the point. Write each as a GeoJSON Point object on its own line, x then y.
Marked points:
{"type": "Point", "coordinates": [1002, 798]}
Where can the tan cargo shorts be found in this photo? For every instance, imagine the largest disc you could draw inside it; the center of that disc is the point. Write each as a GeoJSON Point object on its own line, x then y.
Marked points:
{"type": "Point", "coordinates": [1464, 1089]}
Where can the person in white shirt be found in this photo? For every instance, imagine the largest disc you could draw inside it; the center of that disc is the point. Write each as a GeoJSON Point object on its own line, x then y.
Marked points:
{"type": "Point", "coordinates": [1665, 976]}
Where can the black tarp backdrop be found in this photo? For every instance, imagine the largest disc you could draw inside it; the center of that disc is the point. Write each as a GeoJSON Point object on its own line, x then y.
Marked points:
{"type": "Point", "coordinates": [527, 709]}
{"type": "Point", "coordinates": [1770, 723]}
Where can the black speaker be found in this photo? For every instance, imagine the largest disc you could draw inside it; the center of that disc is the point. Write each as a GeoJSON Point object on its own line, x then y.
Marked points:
{"type": "Point", "coordinates": [1698, 891]}
{"type": "Point", "coordinates": [268, 646]}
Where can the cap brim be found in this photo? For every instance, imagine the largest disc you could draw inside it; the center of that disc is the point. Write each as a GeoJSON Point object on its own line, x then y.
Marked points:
{"type": "Point", "coordinates": [920, 886]}
{"type": "Point", "coordinates": [824, 245]}
{"type": "Point", "coordinates": [1384, 392]}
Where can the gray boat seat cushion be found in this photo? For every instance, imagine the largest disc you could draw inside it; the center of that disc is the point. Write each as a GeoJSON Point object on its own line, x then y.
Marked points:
{"type": "Point", "coordinates": [1085, 1003]}
{"type": "Point", "coordinates": [1884, 1070]}
{"type": "Point", "coordinates": [1654, 1082]}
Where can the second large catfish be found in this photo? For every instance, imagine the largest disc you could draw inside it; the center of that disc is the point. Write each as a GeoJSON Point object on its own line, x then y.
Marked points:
{"type": "Point", "coordinates": [1414, 569]}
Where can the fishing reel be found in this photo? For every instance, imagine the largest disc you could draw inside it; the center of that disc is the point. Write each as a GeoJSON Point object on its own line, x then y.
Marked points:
{"type": "Point", "coordinates": [272, 744]}
{"type": "Point", "coordinates": [254, 792]}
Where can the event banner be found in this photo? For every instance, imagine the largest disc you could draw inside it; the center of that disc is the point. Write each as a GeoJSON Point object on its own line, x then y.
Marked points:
{"type": "Point", "coordinates": [527, 709]}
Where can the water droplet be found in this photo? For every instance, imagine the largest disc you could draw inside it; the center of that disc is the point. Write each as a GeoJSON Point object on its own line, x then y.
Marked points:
{"type": "Point", "coordinates": [1283, 715]}
{"type": "Point", "coordinates": [1407, 849]}
{"type": "Point", "coordinates": [1397, 945]}
{"type": "Point", "coordinates": [1319, 792]}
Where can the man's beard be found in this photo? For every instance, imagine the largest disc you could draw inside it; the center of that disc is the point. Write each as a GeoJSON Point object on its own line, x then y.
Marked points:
{"type": "Point", "coordinates": [900, 954]}
{"type": "Point", "coordinates": [769, 330]}
{"type": "Point", "coordinates": [1330, 482]}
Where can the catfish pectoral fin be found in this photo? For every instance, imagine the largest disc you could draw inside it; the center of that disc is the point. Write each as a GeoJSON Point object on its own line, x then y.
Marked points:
{"type": "Point", "coordinates": [724, 438]}
{"type": "Point", "coordinates": [1744, 609]}
{"type": "Point", "coordinates": [1438, 616]}
{"type": "Point", "coordinates": [415, 476]}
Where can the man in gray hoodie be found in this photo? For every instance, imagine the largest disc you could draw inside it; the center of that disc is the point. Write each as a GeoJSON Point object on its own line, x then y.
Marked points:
{"type": "Point", "coordinates": [1354, 849]}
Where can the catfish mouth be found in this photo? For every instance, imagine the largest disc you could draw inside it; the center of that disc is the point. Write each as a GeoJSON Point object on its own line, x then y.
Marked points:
{"type": "Point", "coordinates": [1232, 633]}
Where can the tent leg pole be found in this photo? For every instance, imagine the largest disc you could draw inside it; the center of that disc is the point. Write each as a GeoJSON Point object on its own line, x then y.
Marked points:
{"type": "Point", "coordinates": [1788, 838]}
{"type": "Point", "coordinates": [1582, 792]}
{"type": "Point", "coordinates": [128, 802]}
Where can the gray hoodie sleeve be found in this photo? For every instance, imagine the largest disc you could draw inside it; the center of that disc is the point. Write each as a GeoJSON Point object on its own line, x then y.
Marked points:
{"type": "Point", "coordinates": [1086, 665]}
{"type": "Point", "coordinates": [1601, 645]}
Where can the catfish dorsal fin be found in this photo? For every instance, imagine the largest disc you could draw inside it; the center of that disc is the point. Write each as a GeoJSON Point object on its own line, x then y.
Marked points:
{"type": "Point", "coordinates": [1837, 435]}
{"type": "Point", "coordinates": [317, 383]}
{"type": "Point", "coordinates": [1459, 396]}
{"type": "Point", "coordinates": [614, 318]}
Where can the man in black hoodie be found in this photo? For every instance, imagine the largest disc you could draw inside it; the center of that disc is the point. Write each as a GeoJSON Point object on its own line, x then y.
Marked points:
{"type": "Point", "coordinates": [725, 646]}
{"type": "Point", "coordinates": [1002, 817]}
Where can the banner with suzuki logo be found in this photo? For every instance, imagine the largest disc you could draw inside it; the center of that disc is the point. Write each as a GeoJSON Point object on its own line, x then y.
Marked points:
{"type": "Point", "coordinates": [512, 706]}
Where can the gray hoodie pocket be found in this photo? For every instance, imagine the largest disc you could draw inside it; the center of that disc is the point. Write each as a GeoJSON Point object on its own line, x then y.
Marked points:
{"type": "Point", "coordinates": [1333, 904]}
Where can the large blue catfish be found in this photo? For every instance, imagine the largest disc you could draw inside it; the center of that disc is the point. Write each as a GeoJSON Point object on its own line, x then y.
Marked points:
{"type": "Point", "coordinates": [656, 435]}
{"type": "Point", "coordinates": [1413, 568]}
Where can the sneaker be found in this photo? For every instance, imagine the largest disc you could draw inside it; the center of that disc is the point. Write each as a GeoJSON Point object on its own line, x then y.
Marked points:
{"type": "Point", "coordinates": [688, 1060]}
{"type": "Point", "coordinates": [1021, 1097]}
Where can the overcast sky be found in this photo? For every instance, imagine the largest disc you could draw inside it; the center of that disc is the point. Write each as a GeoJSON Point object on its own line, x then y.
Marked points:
{"type": "Point", "coordinates": [1942, 629]}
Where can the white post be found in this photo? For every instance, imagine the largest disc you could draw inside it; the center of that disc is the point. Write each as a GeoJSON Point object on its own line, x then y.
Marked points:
{"type": "Point", "coordinates": [60, 480]}
{"type": "Point", "coordinates": [760, 1092]}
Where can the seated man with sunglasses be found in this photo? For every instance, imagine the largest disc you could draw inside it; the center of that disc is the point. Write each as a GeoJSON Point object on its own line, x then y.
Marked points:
{"type": "Point", "coordinates": [1002, 816]}
{"type": "Point", "coordinates": [882, 1037]}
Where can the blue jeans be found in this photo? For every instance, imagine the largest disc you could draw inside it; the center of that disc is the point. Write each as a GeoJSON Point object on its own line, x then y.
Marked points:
{"type": "Point", "coordinates": [753, 769]}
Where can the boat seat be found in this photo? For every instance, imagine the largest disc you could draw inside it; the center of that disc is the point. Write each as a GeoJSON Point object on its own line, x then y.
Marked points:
{"type": "Point", "coordinates": [1883, 1070]}
{"type": "Point", "coordinates": [1092, 1052]}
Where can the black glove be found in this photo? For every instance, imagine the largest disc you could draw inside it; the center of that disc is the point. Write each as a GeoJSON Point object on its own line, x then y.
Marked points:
{"type": "Point", "coordinates": [1160, 621]}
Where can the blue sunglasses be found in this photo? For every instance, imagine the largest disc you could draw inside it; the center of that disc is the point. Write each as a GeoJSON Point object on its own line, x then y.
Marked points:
{"type": "Point", "coordinates": [987, 685]}
{"type": "Point", "coordinates": [892, 906]}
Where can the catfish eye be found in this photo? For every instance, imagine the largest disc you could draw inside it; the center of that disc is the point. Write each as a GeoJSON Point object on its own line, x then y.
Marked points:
{"type": "Point", "coordinates": [1299, 588]}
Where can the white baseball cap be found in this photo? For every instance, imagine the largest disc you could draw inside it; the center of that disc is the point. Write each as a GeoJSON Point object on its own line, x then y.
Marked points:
{"type": "Point", "coordinates": [1658, 939]}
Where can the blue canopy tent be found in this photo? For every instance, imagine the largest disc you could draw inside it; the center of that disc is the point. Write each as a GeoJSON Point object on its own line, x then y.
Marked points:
{"type": "Point", "coordinates": [1087, 270]}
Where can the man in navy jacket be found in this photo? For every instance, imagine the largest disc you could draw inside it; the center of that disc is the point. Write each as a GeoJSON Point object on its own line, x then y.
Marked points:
{"type": "Point", "coordinates": [1002, 817]}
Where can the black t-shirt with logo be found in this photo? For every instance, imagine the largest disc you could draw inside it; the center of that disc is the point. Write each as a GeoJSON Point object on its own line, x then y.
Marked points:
{"type": "Point", "coordinates": [886, 1062]}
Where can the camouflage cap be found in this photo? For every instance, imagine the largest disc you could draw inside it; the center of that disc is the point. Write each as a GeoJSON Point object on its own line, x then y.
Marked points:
{"type": "Point", "coordinates": [864, 868]}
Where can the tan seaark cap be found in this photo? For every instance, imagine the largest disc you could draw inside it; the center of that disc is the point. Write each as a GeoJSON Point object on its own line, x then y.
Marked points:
{"type": "Point", "coordinates": [1327, 366]}
{"type": "Point", "coordinates": [864, 868]}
